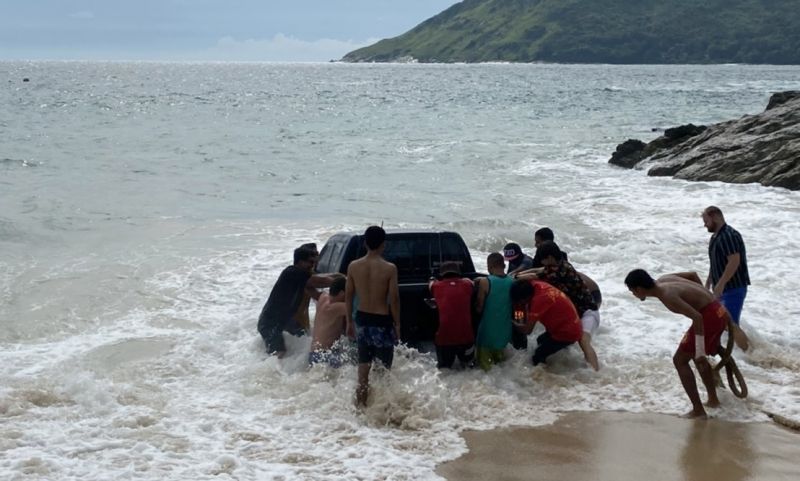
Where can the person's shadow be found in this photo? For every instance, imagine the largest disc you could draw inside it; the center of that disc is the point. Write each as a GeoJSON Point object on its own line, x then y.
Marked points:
{"type": "Point", "coordinates": [717, 450]}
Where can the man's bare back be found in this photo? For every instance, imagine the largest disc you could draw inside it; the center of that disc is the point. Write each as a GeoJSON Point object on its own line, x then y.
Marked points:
{"type": "Point", "coordinates": [677, 291]}
{"type": "Point", "coordinates": [372, 279]}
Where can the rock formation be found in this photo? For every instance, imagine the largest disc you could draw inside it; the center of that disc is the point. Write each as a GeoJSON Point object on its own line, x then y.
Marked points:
{"type": "Point", "coordinates": [763, 148]}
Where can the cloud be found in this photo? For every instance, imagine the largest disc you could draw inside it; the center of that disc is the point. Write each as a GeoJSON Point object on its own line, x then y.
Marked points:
{"type": "Point", "coordinates": [282, 48]}
{"type": "Point", "coordinates": [83, 15]}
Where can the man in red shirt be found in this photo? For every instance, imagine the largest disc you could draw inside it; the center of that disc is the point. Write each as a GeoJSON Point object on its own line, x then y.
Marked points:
{"type": "Point", "coordinates": [548, 305]}
{"type": "Point", "coordinates": [454, 338]}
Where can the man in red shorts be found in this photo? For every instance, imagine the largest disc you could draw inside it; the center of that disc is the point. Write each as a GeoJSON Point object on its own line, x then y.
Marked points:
{"type": "Point", "coordinates": [551, 307]}
{"type": "Point", "coordinates": [709, 319]}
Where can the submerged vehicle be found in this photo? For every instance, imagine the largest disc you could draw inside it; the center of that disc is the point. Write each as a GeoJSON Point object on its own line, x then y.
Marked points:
{"type": "Point", "coordinates": [418, 256]}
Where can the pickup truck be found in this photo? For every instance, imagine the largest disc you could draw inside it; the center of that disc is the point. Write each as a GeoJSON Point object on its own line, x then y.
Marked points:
{"type": "Point", "coordinates": [417, 255]}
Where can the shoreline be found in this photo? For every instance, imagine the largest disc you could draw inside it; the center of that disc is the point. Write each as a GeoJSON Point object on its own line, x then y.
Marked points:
{"type": "Point", "coordinates": [612, 445]}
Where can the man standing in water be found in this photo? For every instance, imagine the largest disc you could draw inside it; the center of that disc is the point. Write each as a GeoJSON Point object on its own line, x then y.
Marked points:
{"type": "Point", "coordinates": [728, 275]}
{"type": "Point", "coordinates": [285, 298]}
{"type": "Point", "coordinates": [709, 319]}
{"type": "Point", "coordinates": [494, 306]}
{"type": "Point", "coordinates": [377, 321]}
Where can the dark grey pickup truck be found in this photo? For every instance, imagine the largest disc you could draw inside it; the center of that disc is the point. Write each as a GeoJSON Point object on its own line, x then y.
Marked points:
{"type": "Point", "coordinates": [417, 255]}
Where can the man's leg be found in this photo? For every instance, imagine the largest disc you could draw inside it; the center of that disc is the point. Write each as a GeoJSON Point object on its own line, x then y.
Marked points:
{"type": "Point", "coordinates": [445, 356]}
{"type": "Point", "coordinates": [588, 351]}
{"type": "Point", "coordinates": [547, 347]}
{"type": "Point", "coordinates": [362, 391]}
{"type": "Point", "coordinates": [707, 375]}
{"type": "Point", "coordinates": [681, 360]}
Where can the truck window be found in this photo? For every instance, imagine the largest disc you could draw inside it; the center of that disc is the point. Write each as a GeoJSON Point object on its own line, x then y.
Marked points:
{"type": "Point", "coordinates": [454, 249]}
{"type": "Point", "coordinates": [413, 256]}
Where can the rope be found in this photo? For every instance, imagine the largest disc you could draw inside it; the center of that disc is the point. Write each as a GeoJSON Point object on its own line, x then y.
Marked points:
{"type": "Point", "coordinates": [732, 372]}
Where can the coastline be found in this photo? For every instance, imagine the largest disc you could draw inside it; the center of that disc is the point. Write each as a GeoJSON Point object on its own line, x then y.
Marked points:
{"type": "Point", "coordinates": [625, 446]}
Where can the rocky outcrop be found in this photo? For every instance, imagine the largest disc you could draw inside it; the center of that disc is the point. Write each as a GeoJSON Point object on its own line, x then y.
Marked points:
{"type": "Point", "coordinates": [763, 148]}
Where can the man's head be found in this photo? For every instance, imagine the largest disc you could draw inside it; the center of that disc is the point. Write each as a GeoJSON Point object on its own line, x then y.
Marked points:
{"type": "Point", "coordinates": [521, 292]}
{"type": "Point", "coordinates": [304, 258]}
{"type": "Point", "coordinates": [511, 251]}
{"type": "Point", "coordinates": [449, 269]}
{"type": "Point", "coordinates": [713, 219]}
{"type": "Point", "coordinates": [336, 290]}
{"type": "Point", "coordinates": [549, 254]}
{"type": "Point", "coordinates": [639, 283]}
{"type": "Point", "coordinates": [311, 246]}
{"type": "Point", "coordinates": [495, 262]}
{"type": "Point", "coordinates": [374, 237]}
{"type": "Point", "coordinates": [542, 235]}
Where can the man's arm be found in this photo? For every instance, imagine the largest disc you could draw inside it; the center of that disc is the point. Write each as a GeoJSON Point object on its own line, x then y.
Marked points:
{"type": "Point", "coordinates": [394, 296]}
{"type": "Point", "coordinates": [483, 291]}
{"type": "Point", "coordinates": [689, 276]}
{"type": "Point", "coordinates": [349, 294]}
{"type": "Point", "coordinates": [320, 281]}
{"type": "Point", "coordinates": [730, 269]}
{"type": "Point", "coordinates": [676, 304]}
{"type": "Point", "coordinates": [527, 274]}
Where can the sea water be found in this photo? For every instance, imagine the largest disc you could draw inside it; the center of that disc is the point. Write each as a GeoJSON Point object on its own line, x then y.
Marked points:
{"type": "Point", "coordinates": [148, 208]}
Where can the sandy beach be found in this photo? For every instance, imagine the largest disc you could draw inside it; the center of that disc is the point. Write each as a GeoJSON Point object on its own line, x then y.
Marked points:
{"type": "Point", "coordinates": [623, 446]}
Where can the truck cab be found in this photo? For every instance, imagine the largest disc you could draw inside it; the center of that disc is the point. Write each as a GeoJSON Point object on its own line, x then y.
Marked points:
{"type": "Point", "coordinates": [417, 255]}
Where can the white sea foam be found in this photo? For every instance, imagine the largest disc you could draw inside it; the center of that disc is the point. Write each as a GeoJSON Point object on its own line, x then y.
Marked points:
{"type": "Point", "coordinates": [129, 347]}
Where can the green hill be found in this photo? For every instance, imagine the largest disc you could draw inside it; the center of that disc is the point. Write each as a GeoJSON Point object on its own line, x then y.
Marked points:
{"type": "Point", "coordinates": [601, 31]}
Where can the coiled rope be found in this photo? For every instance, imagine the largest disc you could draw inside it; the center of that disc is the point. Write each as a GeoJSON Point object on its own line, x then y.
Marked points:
{"type": "Point", "coordinates": [732, 372]}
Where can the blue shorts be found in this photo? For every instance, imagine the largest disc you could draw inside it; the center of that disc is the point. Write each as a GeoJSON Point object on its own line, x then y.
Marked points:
{"type": "Point", "coordinates": [333, 357]}
{"type": "Point", "coordinates": [733, 300]}
{"type": "Point", "coordinates": [375, 338]}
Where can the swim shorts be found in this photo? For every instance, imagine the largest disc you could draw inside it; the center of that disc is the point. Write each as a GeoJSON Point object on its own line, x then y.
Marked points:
{"type": "Point", "coordinates": [733, 300]}
{"type": "Point", "coordinates": [488, 357]}
{"type": "Point", "coordinates": [273, 338]}
{"type": "Point", "coordinates": [375, 338]}
{"type": "Point", "coordinates": [590, 321]}
{"type": "Point", "coordinates": [333, 357]}
{"type": "Point", "coordinates": [715, 320]}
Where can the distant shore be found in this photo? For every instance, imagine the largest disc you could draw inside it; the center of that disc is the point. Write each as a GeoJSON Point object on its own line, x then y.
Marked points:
{"type": "Point", "coordinates": [624, 446]}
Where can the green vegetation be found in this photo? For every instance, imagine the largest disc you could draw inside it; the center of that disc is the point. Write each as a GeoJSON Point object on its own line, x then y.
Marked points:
{"type": "Point", "coordinates": [601, 31]}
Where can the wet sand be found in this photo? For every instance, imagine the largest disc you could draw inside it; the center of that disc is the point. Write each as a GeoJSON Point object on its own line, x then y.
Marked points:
{"type": "Point", "coordinates": [623, 446]}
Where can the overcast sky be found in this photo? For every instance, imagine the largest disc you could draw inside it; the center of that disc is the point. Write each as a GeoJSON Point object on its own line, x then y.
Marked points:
{"type": "Point", "coordinates": [234, 30]}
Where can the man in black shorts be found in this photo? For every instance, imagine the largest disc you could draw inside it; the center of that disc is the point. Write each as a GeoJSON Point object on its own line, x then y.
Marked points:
{"type": "Point", "coordinates": [285, 298]}
{"type": "Point", "coordinates": [377, 322]}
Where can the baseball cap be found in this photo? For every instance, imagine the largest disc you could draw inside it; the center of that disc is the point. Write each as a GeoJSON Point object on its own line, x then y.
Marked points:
{"type": "Point", "coordinates": [511, 251]}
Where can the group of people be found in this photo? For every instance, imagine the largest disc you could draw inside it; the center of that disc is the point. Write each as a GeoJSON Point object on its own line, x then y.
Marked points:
{"type": "Point", "coordinates": [543, 289]}
{"type": "Point", "coordinates": [507, 304]}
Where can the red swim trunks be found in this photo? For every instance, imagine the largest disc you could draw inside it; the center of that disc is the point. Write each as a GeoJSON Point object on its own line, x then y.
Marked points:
{"type": "Point", "coordinates": [715, 320]}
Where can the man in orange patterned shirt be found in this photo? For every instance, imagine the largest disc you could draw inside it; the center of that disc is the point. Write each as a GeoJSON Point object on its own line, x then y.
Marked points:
{"type": "Point", "coordinates": [553, 309]}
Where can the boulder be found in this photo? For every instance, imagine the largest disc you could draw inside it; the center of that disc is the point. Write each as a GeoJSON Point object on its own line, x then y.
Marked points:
{"type": "Point", "coordinates": [763, 148]}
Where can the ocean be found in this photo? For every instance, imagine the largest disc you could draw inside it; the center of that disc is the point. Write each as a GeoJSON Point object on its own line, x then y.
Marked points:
{"type": "Point", "coordinates": [148, 208]}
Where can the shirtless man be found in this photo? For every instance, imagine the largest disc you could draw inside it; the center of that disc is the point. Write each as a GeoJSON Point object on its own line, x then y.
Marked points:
{"type": "Point", "coordinates": [709, 319]}
{"type": "Point", "coordinates": [329, 325]}
{"type": "Point", "coordinates": [377, 322]}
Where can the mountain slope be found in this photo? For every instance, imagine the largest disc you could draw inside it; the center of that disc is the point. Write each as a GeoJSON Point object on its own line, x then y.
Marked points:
{"type": "Point", "coordinates": [601, 31]}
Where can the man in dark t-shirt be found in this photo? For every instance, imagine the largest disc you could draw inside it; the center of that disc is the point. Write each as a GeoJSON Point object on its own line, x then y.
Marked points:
{"type": "Point", "coordinates": [285, 298]}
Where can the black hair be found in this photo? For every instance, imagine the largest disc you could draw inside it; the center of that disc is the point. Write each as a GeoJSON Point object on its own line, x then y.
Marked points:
{"type": "Point", "coordinates": [545, 233]}
{"type": "Point", "coordinates": [301, 254]}
{"type": "Point", "coordinates": [521, 290]}
{"type": "Point", "coordinates": [374, 237]}
{"type": "Point", "coordinates": [639, 278]}
{"type": "Point", "coordinates": [312, 246]}
{"type": "Point", "coordinates": [338, 285]}
{"type": "Point", "coordinates": [548, 249]}
{"type": "Point", "coordinates": [495, 259]}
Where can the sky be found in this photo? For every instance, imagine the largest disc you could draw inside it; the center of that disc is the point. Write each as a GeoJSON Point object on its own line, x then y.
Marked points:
{"type": "Point", "coordinates": [199, 30]}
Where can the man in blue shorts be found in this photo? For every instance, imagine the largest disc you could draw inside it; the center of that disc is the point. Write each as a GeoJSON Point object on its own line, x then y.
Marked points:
{"type": "Point", "coordinates": [377, 321]}
{"type": "Point", "coordinates": [728, 276]}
